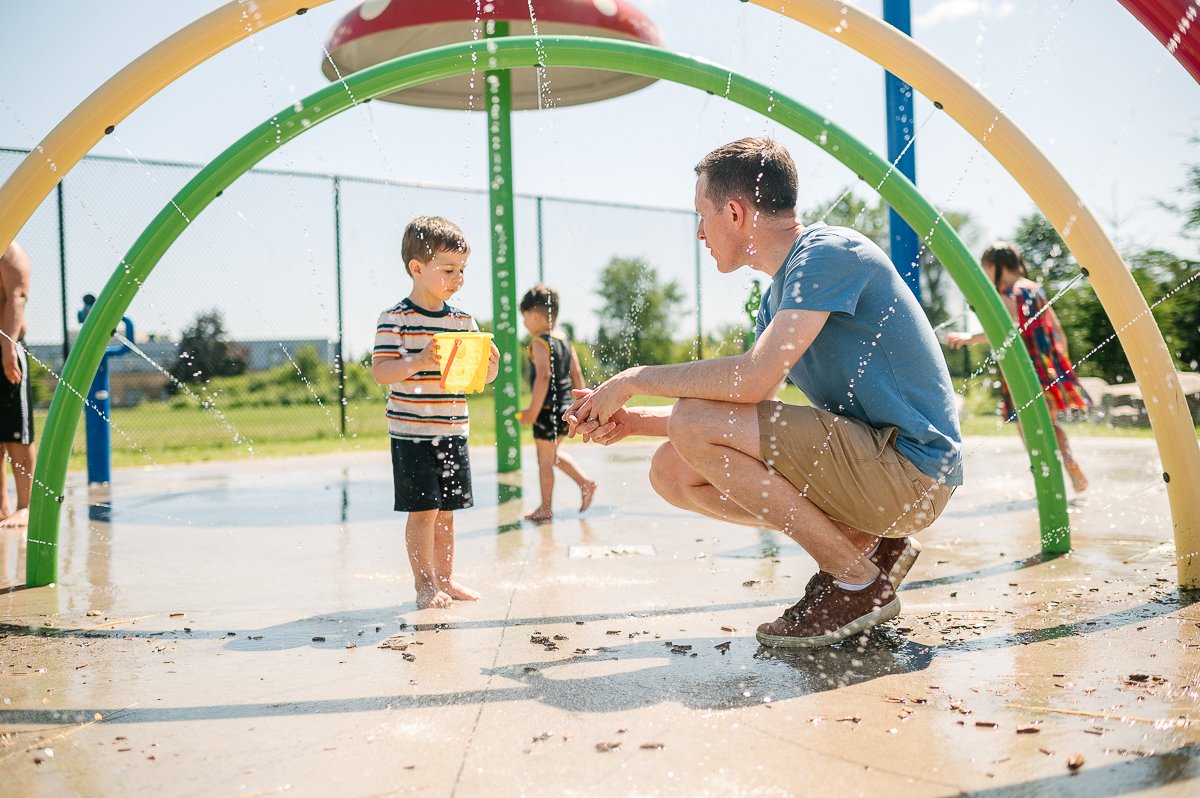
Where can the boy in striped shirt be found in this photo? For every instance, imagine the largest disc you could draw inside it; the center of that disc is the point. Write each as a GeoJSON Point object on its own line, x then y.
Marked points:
{"type": "Point", "coordinates": [430, 466]}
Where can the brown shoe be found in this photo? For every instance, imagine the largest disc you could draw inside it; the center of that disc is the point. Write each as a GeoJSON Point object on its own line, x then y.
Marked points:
{"type": "Point", "coordinates": [829, 614]}
{"type": "Point", "coordinates": [895, 557]}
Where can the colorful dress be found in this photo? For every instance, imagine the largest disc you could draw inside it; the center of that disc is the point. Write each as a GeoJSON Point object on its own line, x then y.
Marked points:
{"type": "Point", "coordinates": [1048, 352]}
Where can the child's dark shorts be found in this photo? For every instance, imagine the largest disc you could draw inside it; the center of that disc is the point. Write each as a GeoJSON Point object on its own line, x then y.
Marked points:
{"type": "Point", "coordinates": [549, 425]}
{"type": "Point", "coordinates": [16, 403]}
{"type": "Point", "coordinates": [431, 475]}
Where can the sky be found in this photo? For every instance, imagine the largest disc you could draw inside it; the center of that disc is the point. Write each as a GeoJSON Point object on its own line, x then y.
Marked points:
{"type": "Point", "coordinates": [1109, 106]}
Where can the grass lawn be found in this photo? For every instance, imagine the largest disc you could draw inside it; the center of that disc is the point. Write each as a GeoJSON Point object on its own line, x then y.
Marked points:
{"type": "Point", "coordinates": [160, 434]}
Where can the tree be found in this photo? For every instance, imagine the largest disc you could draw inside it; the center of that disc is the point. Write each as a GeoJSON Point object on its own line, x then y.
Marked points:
{"type": "Point", "coordinates": [850, 210]}
{"type": "Point", "coordinates": [1050, 262]}
{"type": "Point", "coordinates": [1178, 313]}
{"type": "Point", "coordinates": [1190, 189]}
{"type": "Point", "coordinates": [204, 351]}
{"type": "Point", "coordinates": [1090, 334]}
{"type": "Point", "coordinates": [638, 316]}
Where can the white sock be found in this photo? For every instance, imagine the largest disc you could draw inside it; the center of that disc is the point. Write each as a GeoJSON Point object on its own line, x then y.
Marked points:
{"type": "Point", "coordinates": [852, 587]}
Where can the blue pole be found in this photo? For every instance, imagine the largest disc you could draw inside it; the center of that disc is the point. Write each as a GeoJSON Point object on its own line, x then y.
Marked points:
{"type": "Point", "coordinates": [905, 244]}
{"type": "Point", "coordinates": [96, 426]}
{"type": "Point", "coordinates": [99, 438]}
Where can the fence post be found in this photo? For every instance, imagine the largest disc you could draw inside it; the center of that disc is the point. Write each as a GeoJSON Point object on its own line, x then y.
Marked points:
{"type": "Point", "coordinates": [62, 269]}
{"type": "Point", "coordinates": [541, 249]}
{"type": "Point", "coordinates": [337, 263]}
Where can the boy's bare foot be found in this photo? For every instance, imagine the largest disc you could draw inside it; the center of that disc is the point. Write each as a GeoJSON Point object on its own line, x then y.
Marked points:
{"type": "Point", "coordinates": [586, 491]}
{"type": "Point", "coordinates": [540, 514]}
{"type": "Point", "coordinates": [1079, 480]}
{"type": "Point", "coordinates": [18, 519]}
{"type": "Point", "coordinates": [459, 592]}
{"type": "Point", "coordinates": [431, 597]}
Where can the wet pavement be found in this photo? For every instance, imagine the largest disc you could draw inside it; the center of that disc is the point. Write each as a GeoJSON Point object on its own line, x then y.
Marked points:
{"type": "Point", "coordinates": [248, 629]}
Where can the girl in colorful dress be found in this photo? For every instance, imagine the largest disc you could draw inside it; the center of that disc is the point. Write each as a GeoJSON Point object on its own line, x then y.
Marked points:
{"type": "Point", "coordinates": [1044, 339]}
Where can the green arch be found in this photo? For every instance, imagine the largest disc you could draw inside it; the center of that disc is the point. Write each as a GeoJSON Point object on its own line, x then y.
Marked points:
{"type": "Point", "coordinates": [516, 52]}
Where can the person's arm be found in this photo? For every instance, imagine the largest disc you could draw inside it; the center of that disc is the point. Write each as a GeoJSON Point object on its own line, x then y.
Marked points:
{"type": "Point", "coordinates": [576, 370]}
{"type": "Point", "coordinates": [1010, 304]}
{"type": "Point", "coordinates": [1059, 331]}
{"type": "Point", "coordinates": [955, 340]}
{"type": "Point", "coordinates": [493, 364]}
{"type": "Point", "coordinates": [387, 369]}
{"type": "Point", "coordinates": [649, 421]}
{"type": "Point", "coordinates": [14, 275]}
{"type": "Point", "coordinates": [745, 379]}
{"type": "Point", "coordinates": [541, 380]}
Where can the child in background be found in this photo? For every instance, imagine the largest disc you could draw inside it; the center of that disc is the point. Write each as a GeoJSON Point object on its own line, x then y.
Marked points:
{"type": "Point", "coordinates": [431, 469]}
{"type": "Point", "coordinates": [554, 371]}
{"type": "Point", "coordinates": [1044, 339]}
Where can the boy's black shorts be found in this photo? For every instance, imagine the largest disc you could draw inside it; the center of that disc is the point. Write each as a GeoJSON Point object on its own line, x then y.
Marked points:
{"type": "Point", "coordinates": [549, 425]}
{"type": "Point", "coordinates": [431, 475]}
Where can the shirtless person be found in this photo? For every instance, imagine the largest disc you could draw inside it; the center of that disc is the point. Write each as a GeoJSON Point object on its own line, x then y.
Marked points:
{"type": "Point", "coordinates": [16, 396]}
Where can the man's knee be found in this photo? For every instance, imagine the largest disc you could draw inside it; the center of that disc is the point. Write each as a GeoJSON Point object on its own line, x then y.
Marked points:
{"type": "Point", "coordinates": [686, 411]}
{"type": "Point", "coordinates": [665, 471]}
{"type": "Point", "coordinates": [689, 421]}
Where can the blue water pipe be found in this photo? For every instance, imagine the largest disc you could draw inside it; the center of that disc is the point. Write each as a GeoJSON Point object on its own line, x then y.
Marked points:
{"type": "Point", "coordinates": [905, 249]}
{"type": "Point", "coordinates": [99, 402]}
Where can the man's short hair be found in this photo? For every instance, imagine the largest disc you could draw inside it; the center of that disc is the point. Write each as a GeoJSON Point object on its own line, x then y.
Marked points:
{"type": "Point", "coordinates": [541, 297]}
{"type": "Point", "coordinates": [755, 170]}
{"type": "Point", "coordinates": [426, 236]}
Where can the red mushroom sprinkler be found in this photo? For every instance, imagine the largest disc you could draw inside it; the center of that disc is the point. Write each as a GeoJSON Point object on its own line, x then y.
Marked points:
{"type": "Point", "coordinates": [380, 30]}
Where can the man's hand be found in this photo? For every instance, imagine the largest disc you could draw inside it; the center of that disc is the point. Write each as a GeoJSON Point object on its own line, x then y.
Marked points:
{"type": "Point", "coordinates": [599, 404]}
{"type": "Point", "coordinates": [527, 416]}
{"type": "Point", "coordinates": [12, 366]}
{"type": "Point", "coordinates": [619, 425]}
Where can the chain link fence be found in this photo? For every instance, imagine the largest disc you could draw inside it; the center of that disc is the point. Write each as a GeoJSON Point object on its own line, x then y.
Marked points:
{"type": "Point", "coordinates": [297, 267]}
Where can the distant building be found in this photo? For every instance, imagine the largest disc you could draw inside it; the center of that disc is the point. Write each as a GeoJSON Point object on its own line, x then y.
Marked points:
{"type": "Point", "coordinates": [133, 380]}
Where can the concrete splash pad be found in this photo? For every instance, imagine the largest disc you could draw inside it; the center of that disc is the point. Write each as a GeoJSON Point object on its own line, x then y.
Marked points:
{"type": "Point", "coordinates": [248, 629]}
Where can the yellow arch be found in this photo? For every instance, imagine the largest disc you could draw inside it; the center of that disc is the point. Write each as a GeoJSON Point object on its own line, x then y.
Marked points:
{"type": "Point", "coordinates": [1115, 287]}
{"type": "Point", "coordinates": [124, 93]}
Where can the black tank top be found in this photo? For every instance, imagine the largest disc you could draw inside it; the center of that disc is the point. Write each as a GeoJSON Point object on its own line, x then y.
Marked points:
{"type": "Point", "coordinates": [558, 394]}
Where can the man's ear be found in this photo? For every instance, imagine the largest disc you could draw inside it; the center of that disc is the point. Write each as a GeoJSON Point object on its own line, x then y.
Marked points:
{"type": "Point", "coordinates": [737, 212]}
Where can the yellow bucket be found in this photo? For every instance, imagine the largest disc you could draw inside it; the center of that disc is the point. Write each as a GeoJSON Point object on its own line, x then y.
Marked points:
{"type": "Point", "coordinates": [463, 357]}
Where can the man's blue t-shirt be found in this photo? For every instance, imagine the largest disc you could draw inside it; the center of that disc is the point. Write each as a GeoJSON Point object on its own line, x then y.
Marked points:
{"type": "Point", "coordinates": [876, 359]}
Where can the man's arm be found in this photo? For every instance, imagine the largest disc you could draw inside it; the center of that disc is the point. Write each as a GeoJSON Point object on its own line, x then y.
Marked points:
{"type": "Point", "coordinates": [650, 421]}
{"type": "Point", "coordinates": [14, 276]}
{"type": "Point", "coordinates": [745, 379]}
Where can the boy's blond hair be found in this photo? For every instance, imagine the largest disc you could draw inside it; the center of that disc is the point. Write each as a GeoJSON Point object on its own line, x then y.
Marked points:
{"type": "Point", "coordinates": [426, 236]}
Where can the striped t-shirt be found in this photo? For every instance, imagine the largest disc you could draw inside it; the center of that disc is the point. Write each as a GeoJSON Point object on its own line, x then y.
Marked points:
{"type": "Point", "coordinates": [417, 409]}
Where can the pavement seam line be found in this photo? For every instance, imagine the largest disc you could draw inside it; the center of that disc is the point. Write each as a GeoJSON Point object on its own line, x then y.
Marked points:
{"type": "Point", "coordinates": [488, 685]}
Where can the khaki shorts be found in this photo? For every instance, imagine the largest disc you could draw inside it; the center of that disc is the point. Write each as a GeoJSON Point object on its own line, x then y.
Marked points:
{"type": "Point", "coordinates": [849, 470]}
